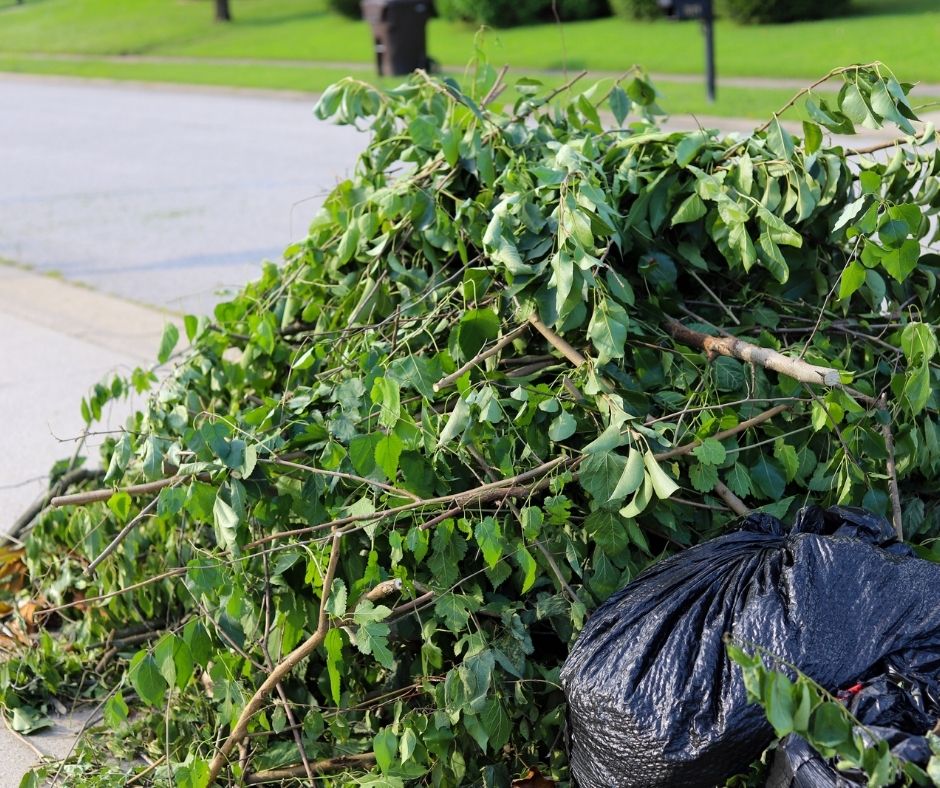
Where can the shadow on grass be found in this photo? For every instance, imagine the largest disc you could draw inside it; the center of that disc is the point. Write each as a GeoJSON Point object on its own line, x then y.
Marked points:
{"type": "Point", "coordinates": [278, 19]}
{"type": "Point", "coordinates": [12, 5]}
{"type": "Point", "coordinates": [891, 7]}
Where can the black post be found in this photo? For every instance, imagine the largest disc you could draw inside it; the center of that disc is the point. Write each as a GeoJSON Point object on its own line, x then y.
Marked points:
{"type": "Point", "coordinates": [708, 28]}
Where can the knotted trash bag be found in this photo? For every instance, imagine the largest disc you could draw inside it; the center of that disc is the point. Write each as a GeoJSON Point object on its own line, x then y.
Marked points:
{"type": "Point", "coordinates": [653, 699]}
{"type": "Point", "coordinates": [897, 708]}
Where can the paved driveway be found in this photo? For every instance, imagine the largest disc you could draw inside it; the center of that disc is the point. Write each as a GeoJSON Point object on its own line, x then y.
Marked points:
{"type": "Point", "coordinates": [159, 195]}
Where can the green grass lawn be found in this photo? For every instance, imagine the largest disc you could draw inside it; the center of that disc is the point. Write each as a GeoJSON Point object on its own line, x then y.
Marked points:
{"type": "Point", "coordinates": [676, 97]}
{"type": "Point", "coordinates": [902, 33]}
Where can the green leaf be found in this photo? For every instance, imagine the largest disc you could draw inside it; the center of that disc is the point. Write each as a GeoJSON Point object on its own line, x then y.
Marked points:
{"type": "Point", "coordinates": [120, 458]}
{"type": "Point", "coordinates": [787, 457]}
{"type": "Point", "coordinates": [767, 479]}
{"type": "Point", "coordinates": [489, 537]}
{"type": "Point", "coordinates": [918, 342]}
{"type": "Point", "coordinates": [689, 210]}
{"type": "Point", "coordinates": [385, 392]}
{"type": "Point", "coordinates": [803, 708]}
{"type": "Point", "coordinates": [663, 484]}
{"type": "Point", "coordinates": [496, 722]}
{"type": "Point", "coordinates": [387, 453]}
{"type": "Point", "coordinates": [385, 747]}
{"type": "Point", "coordinates": [171, 336]}
{"type": "Point", "coordinates": [853, 277]}
{"type": "Point", "coordinates": [333, 643]}
{"type": "Point", "coordinates": [226, 522]}
{"type": "Point", "coordinates": [563, 427]}
{"type": "Point", "coordinates": [710, 451]}
{"type": "Point", "coordinates": [703, 477]}
{"type": "Point", "coordinates": [28, 720]}
{"type": "Point", "coordinates": [738, 481]}
{"type": "Point", "coordinates": [407, 745]}
{"type": "Point", "coordinates": [917, 387]}
{"type": "Point", "coordinates": [608, 531]}
{"type": "Point", "coordinates": [456, 423]}
{"type": "Point", "coordinates": [619, 104]}
{"type": "Point", "coordinates": [600, 474]}
{"type": "Point", "coordinates": [146, 679]}
{"type": "Point", "coordinates": [689, 147]}
{"type": "Point", "coordinates": [528, 566]}
{"type": "Point", "coordinates": [812, 136]}
{"type": "Point", "coordinates": [631, 478]}
{"type": "Point", "coordinates": [778, 697]}
{"type": "Point", "coordinates": [901, 261]}
{"type": "Point", "coordinates": [372, 636]}
{"type": "Point", "coordinates": [829, 725]}
{"type": "Point", "coordinates": [608, 330]}
{"type": "Point", "coordinates": [120, 503]}
{"type": "Point", "coordinates": [115, 711]}
{"type": "Point", "coordinates": [362, 452]}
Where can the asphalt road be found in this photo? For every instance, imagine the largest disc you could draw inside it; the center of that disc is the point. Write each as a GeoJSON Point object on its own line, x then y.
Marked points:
{"type": "Point", "coordinates": [157, 195]}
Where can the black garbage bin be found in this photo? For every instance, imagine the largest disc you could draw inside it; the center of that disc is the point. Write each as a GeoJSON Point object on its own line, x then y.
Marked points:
{"type": "Point", "coordinates": [398, 27]}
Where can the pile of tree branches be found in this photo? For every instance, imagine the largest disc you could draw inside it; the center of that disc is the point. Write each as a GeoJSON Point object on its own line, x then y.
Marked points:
{"type": "Point", "coordinates": [522, 354]}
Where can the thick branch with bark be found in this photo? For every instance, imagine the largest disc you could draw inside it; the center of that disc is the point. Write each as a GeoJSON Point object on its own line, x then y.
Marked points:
{"type": "Point", "coordinates": [753, 354]}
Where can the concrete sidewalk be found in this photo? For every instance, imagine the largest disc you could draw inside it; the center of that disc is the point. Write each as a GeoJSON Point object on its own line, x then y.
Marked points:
{"type": "Point", "coordinates": [58, 340]}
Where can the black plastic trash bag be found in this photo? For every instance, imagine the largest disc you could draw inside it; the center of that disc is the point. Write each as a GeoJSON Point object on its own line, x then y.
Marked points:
{"type": "Point", "coordinates": [652, 697]}
{"type": "Point", "coordinates": [898, 709]}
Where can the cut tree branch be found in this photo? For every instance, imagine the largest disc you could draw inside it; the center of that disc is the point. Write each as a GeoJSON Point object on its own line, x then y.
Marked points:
{"type": "Point", "coordinates": [513, 486]}
{"type": "Point", "coordinates": [77, 476]}
{"type": "Point", "coordinates": [892, 473]}
{"type": "Point", "coordinates": [557, 342]}
{"type": "Point", "coordinates": [95, 496]}
{"type": "Point", "coordinates": [364, 760]}
{"type": "Point", "coordinates": [281, 670]}
{"type": "Point", "coordinates": [760, 418]}
{"type": "Point", "coordinates": [453, 377]}
{"type": "Point", "coordinates": [733, 502]}
{"type": "Point", "coordinates": [340, 475]}
{"type": "Point", "coordinates": [122, 535]}
{"type": "Point", "coordinates": [753, 354]}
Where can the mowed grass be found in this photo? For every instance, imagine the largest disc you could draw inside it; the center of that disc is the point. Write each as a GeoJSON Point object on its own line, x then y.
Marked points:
{"type": "Point", "coordinates": [902, 33]}
{"type": "Point", "coordinates": [675, 98]}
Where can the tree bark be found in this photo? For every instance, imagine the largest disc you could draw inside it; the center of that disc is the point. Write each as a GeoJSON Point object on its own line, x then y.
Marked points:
{"type": "Point", "coordinates": [222, 12]}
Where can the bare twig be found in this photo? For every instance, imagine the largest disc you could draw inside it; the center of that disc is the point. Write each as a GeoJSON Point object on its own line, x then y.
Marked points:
{"type": "Point", "coordinates": [122, 534]}
{"type": "Point", "coordinates": [94, 496]}
{"type": "Point", "coordinates": [549, 558]}
{"type": "Point", "coordinates": [281, 670]}
{"type": "Point", "coordinates": [557, 342]}
{"type": "Point", "coordinates": [269, 664]}
{"type": "Point", "coordinates": [453, 377]}
{"type": "Point", "coordinates": [892, 474]}
{"type": "Point", "coordinates": [760, 418]}
{"type": "Point", "coordinates": [496, 88]}
{"type": "Point", "coordinates": [437, 519]}
{"type": "Point", "coordinates": [360, 761]}
{"type": "Point", "coordinates": [72, 477]}
{"type": "Point", "coordinates": [180, 570]}
{"type": "Point", "coordinates": [341, 475]}
{"type": "Point", "coordinates": [722, 304]}
{"type": "Point", "coordinates": [414, 604]}
{"type": "Point", "coordinates": [753, 354]}
{"type": "Point", "coordinates": [513, 486]}
{"type": "Point", "coordinates": [875, 148]}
